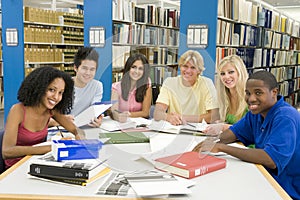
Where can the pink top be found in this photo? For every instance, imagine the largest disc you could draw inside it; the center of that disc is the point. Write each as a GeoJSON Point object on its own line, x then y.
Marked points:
{"type": "Point", "coordinates": [131, 105]}
{"type": "Point", "coordinates": [27, 138]}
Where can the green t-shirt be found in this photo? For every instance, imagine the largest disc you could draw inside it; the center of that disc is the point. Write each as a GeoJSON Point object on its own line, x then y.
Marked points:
{"type": "Point", "coordinates": [231, 119]}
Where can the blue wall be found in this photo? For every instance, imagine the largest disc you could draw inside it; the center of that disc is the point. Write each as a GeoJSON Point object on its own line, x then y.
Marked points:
{"type": "Point", "coordinates": [200, 12]}
{"type": "Point", "coordinates": [96, 15]}
{"type": "Point", "coordinates": [13, 56]}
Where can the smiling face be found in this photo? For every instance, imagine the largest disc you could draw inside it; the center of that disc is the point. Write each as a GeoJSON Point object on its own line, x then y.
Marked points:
{"type": "Point", "coordinates": [85, 72]}
{"type": "Point", "coordinates": [54, 93]}
{"type": "Point", "coordinates": [136, 70]}
{"type": "Point", "coordinates": [259, 97]}
{"type": "Point", "coordinates": [229, 76]}
{"type": "Point", "coordinates": [189, 73]}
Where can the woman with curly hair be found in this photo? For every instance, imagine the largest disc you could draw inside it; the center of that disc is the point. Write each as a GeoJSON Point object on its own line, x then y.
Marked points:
{"type": "Point", "coordinates": [133, 93]}
{"type": "Point", "coordinates": [46, 92]}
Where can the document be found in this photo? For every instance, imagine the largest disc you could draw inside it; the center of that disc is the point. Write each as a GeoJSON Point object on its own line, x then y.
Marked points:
{"type": "Point", "coordinates": [90, 113]}
{"type": "Point", "coordinates": [112, 125]}
{"type": "Point", "coordinates": [154, 183]}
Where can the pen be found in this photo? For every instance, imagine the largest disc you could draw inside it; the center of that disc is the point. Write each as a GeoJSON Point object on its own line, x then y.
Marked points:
{"type": "Point", "coordinates": [117, 111]}
{"type": "Point", "coordinates": [192, 125]}
{"type": "Point", "coordinates": [61, 134]}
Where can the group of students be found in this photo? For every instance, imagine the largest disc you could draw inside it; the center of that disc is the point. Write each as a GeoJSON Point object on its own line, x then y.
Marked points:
{"type": "Point", "coordinates": [238, 108]}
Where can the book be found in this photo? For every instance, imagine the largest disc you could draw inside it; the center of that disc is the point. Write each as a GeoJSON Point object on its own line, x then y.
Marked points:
{"type": "Point", "coordinates": [75, 149]}
{"type": "Point", "coordinates": [90, 113]}
{"type": "Point", "coordinates": [112, 125]}
{"type": "Point", "coordinates": [75, 181]}
{"type": "Point", "coordinates": [167, 127]}
{"type": "Point", "coordinates": [46, 165]}
{"type": "Point", "coordinates": [189, 164]}
{"type": "Point", "coordinates": [122, 137]}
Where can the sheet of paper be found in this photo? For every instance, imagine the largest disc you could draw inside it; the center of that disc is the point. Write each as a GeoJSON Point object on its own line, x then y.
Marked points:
{"type": "Point", "coordinates": [112, 125]}
{"type": "Point", "coordinates": [157, 183]}
{"type": "Point", "coordinates": [164, 126]}
{"type": "Point", "coordinates": [90, 113]}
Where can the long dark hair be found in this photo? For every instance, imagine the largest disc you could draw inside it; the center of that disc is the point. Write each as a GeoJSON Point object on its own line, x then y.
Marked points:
{"type": "Point", "coordinates": [142, 83]}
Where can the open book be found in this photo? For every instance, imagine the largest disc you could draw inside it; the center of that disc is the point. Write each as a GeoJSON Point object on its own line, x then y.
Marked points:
{"type": "Point", "coordinates": [167, 127]}
{"type": "Point", "coordinates": [90, 113]}
{"type": "Point", "coordinates": [132, 123]}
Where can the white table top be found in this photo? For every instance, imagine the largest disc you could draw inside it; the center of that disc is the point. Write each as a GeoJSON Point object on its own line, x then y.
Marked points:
{"type": "Point", "coordinates": [239, 180]}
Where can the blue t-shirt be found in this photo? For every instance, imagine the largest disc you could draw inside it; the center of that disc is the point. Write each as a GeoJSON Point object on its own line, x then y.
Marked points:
{"type": "Point", "coordinates": [279, 136]}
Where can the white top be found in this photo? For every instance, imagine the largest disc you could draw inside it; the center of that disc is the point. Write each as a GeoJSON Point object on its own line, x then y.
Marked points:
{"type": "Point", "coordinates": [86, 96]}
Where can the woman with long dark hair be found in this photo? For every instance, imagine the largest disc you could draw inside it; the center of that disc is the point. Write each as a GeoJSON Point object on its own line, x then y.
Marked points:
{"type": "Point", "coordinates": [133, 93]}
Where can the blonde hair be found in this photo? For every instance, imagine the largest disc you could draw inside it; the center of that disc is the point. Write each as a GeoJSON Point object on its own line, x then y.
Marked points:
{"type": "Point", "coordinates": [192, 55]}
{"type": "Point", "coordinates": [240, 67]}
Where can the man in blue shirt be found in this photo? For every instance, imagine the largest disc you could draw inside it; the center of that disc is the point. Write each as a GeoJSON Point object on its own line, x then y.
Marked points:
{"type": "Point", "coordinates": [273, 126]}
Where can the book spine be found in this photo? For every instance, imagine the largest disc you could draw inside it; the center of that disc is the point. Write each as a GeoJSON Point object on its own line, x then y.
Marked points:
{"type": "Point", "coordinates": [39, 169]}
{"type": "Point", "coordinates": [63, 180]}
{"type": "Point", "coordinates": [206, 169]}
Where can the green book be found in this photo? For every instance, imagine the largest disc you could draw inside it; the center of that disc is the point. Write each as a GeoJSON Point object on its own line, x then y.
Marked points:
{"type": "Point", "coordinates": [122, 137]}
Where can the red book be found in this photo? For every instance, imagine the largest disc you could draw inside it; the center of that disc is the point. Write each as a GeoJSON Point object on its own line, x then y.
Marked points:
{"type": "Point", "coordinates": [190, 164]}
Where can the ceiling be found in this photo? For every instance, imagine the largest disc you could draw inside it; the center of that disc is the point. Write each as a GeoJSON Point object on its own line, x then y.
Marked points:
{"type": "Point", "coordinates": [283, 3]}
{"type": "Point", "coordinates": [291, 7]}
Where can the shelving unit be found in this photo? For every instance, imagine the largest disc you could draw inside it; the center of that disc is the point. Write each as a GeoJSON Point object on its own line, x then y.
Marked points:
{"type": "Point", "coordinates": [150, 28]}
{"type": "Point", "coordinates": [28, 51]}
{"type": "Point", "coordinates": [51, 38]}
{"type": "Point", "coordinates": [265, 39]}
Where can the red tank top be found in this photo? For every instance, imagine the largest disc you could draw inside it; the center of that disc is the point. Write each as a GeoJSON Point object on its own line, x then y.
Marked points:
{"type": "Point", "coordinates": [27, 138]}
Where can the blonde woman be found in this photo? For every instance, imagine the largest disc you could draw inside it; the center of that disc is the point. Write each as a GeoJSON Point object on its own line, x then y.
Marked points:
{"type": "Point", "coordinates": [230, 84]}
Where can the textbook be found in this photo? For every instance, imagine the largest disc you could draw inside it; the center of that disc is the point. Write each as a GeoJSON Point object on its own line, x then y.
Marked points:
{"type": "Point", "coordinates": [167, 127]}
{"type": "Point", "coordinates": [189, 164]}
{"type": "Point", "coordinates": [72, 169]}
{"type": "Point", "coordinates": [74, 181]}
{"type": "Point", "coordinates": [90, 113]}
{"type": "Point", "coordinates": [75, 149]}
{"type": "Point", "coordinates": [125, 137]}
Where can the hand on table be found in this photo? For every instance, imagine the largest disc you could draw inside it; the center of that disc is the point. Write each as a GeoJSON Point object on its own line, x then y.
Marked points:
{"type": "Point", "coordinates": [214, 129]}
{"type": "Point", "coordinates": [209, 144]}
{"type": "Point", "coordinates": [174, 119]}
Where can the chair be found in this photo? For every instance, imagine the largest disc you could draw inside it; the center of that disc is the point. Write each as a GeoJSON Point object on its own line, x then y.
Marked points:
{"type": "Point", "coordinates": [2, 164]}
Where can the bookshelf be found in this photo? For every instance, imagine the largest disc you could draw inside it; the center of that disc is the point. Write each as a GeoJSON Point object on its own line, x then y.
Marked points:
{"type": "Point", "coordinates": [22, 53]}
{"type": "Point", "coordinates": [150, 28]}
{"type": "Point", "coordinates": [264, 38]}
{"type": "Point", "coordinates": [51, 38]}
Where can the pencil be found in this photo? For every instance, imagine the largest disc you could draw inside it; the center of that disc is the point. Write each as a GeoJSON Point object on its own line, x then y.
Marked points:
{"type": "Point", "coordinates": [60, 132]}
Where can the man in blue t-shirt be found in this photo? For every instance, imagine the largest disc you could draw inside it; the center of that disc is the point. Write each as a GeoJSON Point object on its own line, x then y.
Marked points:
{"type": "Point", "coordinates": [273, 126]}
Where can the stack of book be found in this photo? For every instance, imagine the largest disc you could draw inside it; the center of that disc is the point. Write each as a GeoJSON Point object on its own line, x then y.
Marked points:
{"type": "Point", "coordinates": [78, 172]}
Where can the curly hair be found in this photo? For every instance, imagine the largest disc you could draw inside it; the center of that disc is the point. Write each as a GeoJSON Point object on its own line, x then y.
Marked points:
{"type": "Point", "coordinates": [241, 69]}
{"type": "Point", "coordinates": [142, 83]}
{"type": "Point", "coordinates": [34, 87]}
{"type": "Point", "coordinates": [86, 53]}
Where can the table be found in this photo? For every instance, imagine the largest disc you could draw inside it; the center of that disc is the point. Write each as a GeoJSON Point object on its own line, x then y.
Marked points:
{"type": "Point", "coordinates": [239, 180]}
